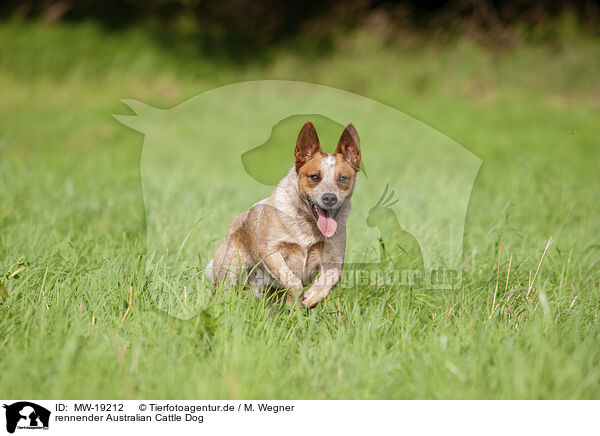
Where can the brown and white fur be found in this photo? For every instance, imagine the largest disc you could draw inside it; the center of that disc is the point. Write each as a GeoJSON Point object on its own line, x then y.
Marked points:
{"type": "Point", "coordinates": [298, 233]}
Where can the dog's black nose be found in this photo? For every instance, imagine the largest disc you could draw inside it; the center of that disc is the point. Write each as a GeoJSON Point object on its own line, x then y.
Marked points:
{"type": "Point", "coordinates": [329, 199]}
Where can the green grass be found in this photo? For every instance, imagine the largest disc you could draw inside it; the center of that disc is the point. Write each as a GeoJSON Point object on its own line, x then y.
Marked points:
{"type": "Point", "coordinates": [72, 214]}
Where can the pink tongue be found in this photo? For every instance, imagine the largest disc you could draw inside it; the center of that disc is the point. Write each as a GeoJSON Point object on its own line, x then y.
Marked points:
{"type": "Point", "coordinates": [326, 224]}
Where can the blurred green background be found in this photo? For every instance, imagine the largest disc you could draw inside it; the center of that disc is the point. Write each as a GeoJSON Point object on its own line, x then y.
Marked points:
{"type": "Point", "coordinates": [516, 83]}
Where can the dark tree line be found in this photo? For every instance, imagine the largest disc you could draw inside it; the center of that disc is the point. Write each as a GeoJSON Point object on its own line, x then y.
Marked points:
{"type": "Point", "coordinates": [270, 20]}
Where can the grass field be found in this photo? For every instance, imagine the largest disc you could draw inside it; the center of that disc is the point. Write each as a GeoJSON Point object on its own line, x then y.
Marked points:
{"type": "Point", "coordinates": [73, 227]}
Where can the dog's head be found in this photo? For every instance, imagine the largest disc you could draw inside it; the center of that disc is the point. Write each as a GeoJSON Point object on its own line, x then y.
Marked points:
{"type": "Point", "coordinates": [326, 180]}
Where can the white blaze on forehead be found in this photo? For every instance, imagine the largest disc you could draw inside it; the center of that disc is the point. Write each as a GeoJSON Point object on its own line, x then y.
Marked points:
{"type": "Point", "coordinates": [327, 175]}
{"type": "Point", "coordinates": [328, 163]}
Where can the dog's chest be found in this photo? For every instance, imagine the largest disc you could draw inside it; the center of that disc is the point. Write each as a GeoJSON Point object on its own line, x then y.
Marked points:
{"type": "Point", "coordinates": [303, 260]}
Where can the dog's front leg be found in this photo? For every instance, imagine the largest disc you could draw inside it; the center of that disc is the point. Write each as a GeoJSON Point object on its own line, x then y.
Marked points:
{"type": "Point", "coordinates": [276, 265]}
{"type": "Point", "coordinates": [322, 286]}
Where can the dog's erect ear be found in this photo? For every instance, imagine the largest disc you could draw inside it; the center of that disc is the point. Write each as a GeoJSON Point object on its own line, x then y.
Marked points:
{"type": "Point", "coordinates": [307, 145]}
{"type": "Point", "coordinates": [349, 146]}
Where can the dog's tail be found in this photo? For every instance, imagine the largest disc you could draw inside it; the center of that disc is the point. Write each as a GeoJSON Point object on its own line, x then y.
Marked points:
{"type": "Point", "coordinates": [209, 270]}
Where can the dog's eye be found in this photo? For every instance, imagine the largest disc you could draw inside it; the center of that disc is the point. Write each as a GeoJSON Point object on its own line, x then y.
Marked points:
{"type": "Point", "coordinates": [343, 179]}
{"type": "Point", "coordinates": [315, 178]}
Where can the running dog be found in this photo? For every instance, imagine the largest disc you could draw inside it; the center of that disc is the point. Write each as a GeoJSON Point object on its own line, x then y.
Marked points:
{"type": "Point", "coordinates": [297, 236]}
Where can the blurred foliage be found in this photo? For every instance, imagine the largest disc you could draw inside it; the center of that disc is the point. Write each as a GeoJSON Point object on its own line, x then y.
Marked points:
{"type": "Point", "coordinates": [249, 24]}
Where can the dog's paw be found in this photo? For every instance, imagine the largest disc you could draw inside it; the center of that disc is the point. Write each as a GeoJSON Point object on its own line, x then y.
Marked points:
{"type": "Point", "coordinates": [312, 297]}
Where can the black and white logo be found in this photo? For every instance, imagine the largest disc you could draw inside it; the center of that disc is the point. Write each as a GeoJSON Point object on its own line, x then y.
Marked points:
{"type": "Point", "coordinates": [26, 415]}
